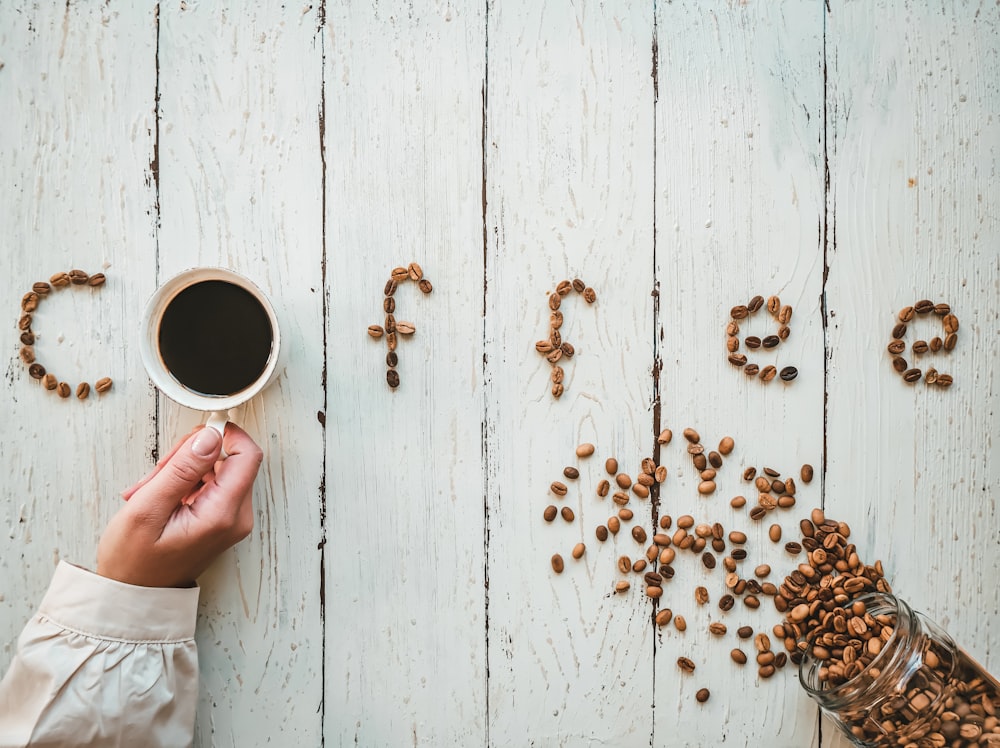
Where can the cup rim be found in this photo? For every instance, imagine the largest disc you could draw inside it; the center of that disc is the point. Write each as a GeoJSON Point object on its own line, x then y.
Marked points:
{"type": "Point", "coordinates": [157, 371]}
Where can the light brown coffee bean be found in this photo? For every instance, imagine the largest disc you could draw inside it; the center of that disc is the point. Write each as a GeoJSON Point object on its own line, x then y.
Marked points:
{"type": "Point", "coordinates": [391, 341]}
{"type": "Point", "coordinates": [41, 288]}
{"type": "Point", "coordinates": [414, 271]}
{"type": "Point", "coordinates": [936, 344]}
{"type": "Point", "coordinates": [762, 571]}
{"type": "Point", "coordinates": [578, 285]}
{"type": "Point", "coordinates": [699, 461]}
{"type": "Point", "coordinates": [639, 534]}
{"type": "Point", "coordinates": [739, 312]}
{"type": "Point", "coordinates": [603, 488]}
{"type": "Point", "coordinates": [680, 623]}
{"type": "Point", "coordinates": [716, 628]}
{"type": "Point", "coordinates": [732, 328]}
{"type": "Point", "coordinates": [27, 354]}
{"type": "Point", "coordinates": [697, 450]}
{"type": "Point", "coordinates": [97, 279]}
{"type": "Point", "coordinates": [564, 287]}
{"type": "Point", "coordinates": [578, 550]}
{"type": "Point", "coordinates": [585, 450]}
{"type": "Point", "coordinates": [702, 695]}
{"type": "Point", "coordinates": [390, 323]}
{"type": "Point", "coordinates": [392, 378]}
{"type": "Point", "coordinates": [806, 473]}
{"type": "Point", "coordinates": [920, 347]}
{"type": "Point", "coordinates": [738, 502]}
{"type": "Point", "coordinates": [601, 533]}
{"type": "Point", "coordinates": [557, 390]}
{"type": "Point", "coordinates": [640, 490]}
{"type": "Point", "coordinates": [611, 466]}
{"type": "Point", "coordinates": [686, 664]}
{"type": "Point", "coordinates": [557, 375]}
{"type": "Point", "coordinates": [639, 565]}
{"type": "Point", "coordinates": [931, 376]}
{"type": "Point", "coordinates": [924, 306]}
{"type": "Point", "coordinates": [29, 302]}
{"type": "Point", "coordinates": [554, 355]}
{"type": "Point", "coordinates": [692, 436]}
{"type": "Point", "coordinates": [558, 488]}
{"type": "Point", "coordinates": [623, 480]}
{"type": "Point", "coordinates": [589, 295]}
{"type": "Point", "coordinates": [399, 274]}
{"type": "Point", "coordinates": [667, 556]}
{"type": "Point", "coordinates": [912, 375]}
{"type": "Point", "coordinates": [63, 390]}
{"type": "Point", "coordinates": [950, 341]}
{"type": "Point", "coordinates": [567, 349]}
{"type": "Point", "coordinates": [773, 305]}
{"type": "Point", "coordinates": [944, 380]}
{"type": "Point", "coordinates": [950, 323]}
{"type": "Point", "coordinates": [567, 514]}
{"type": "Point", "coordinates": [732, 344]}
{"type": "Point", "coordinates": [762, 483]}
{"type": "Point", "coordinates": [50, 382]}
{"type": "Point", "coordinates": [666, 521]}
{"type": "Point", "coordinates": [737, 537]}
{"type": "Point", "coordinates": [726, 445]}
{"type": "Point", "coordinates": [774, 533]}
{"type": "Point", "coordinates": [665, 436]}
{"type": "Point", "coordinates": [425, 285]}
{"type": "Point", "coordinates": [388, 305]}
{"type": "Point", "coordinates": [405, 328]}
{"type": "Point", "coordinates": [624, 564]}
{"type": "Point", "coordinates": [896, 347]}
{"type": "Point", "coordinates": [663, 616]}
{"type": "Point", "coordinates": [660, 474]}
{"type": "Point", "coordinates": [905, 314]}
{"type": "Point", "coordinates": [784, 331]}
{"type": "Point", "coordinates": [737, 359]}
{"type": "Point", "coordinates": [550, 513]}
{"type": "Point", "coordinates": [571, 472]}
{"type": "Point", "coordinates": [24, 323]}
{"type": "Point", "coordinates": [654, 592]}
{"type": "Point", "coordinates": [700, 595]}
{"type": "Point", "coordinates": [614, 525]}
{"type": "Point", "coordinates": [625, 514]}
{"type": "Point", "coordinates": [768, 373]}
{"type": "Point", "coordinates": [706, 487]}
{"type": "Point", "coordinates": [544, 346]}
{"type": "Point", "coordinates": [557, 563]}
{"type": "Point", "coordinates": [36, 371]}
{"type": "Point", "coordinates": [60, 280]}
{"type": "Point", "coordinates": [622, 586]}
{"type": "Point", "coordinates": [645, 479]}
{"type": "Point", "coordinates": [738, 656]}
{"type": "Point", "coordinates": [82, 391]}
{"type": "Point", "coordinates": [785, 314]}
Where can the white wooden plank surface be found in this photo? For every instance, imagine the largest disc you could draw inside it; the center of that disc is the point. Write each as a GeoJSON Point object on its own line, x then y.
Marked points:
{"type": "Point", "coordinates": [77, 86]}
{"type": "Point", "coordinates": [739, 212]}
{"type": "Point", "coordinates": [569, 175]}
{"type": "Point", "coordinates": [915, 148]}
{"type": "Point", "coordinates": [240, 185]}
{"type": "Point", "coordinates": [404, 558]}
{"type": "Point", "coordinates": [397, 589]}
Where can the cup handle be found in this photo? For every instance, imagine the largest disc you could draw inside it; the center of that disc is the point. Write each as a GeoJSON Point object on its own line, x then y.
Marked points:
{"type": "Point", "coordinates": [217, 420]}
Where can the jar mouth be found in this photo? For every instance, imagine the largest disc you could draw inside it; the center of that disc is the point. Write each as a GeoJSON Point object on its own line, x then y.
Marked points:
{"type": "Point", "coordinates": [876, 603]}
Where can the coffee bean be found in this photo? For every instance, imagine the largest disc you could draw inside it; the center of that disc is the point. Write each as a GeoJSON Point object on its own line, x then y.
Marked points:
{"type": "Point", "coordinates": [654, 592]}
{"type": "Point", "coordinates": [62, 389]}
{"type": "Point", "coordinates": [578, 550]}
{"type": "Point", "coordinates": [896, 347]}
{"type": "Point", "coordinates": [950, 323]}
{"type": "Point", "coordinates": [571, 472]}
{"type": "Point", "coordinates": [29, 302]}
{"type": "Point", "coordinates": [737, 359]}
{"type": "Point", "coordinates": [82, 391]}
{"type": "Point", "coordinates": [585, 450]}
{"type": "Point", "coordinates": [390, 341]}
{"type": "Point", "coordinates": [654, 579]}
{"type": "Point", "coordinates": [78, 277]}
{"type": "Point", "coordinates": [936, 344]}
{"type": "Point", "coordinates": [557, 375]}
{"type": "Point", "coordinates": [714, 459]}
{"type": "Point", "coordinates": [726, 602]}
{"type": "Point", "coordinates": [920, 347]}
{"type": "Point", "coordinates": [550, 513]}
{"type": "Point", "coordinates": [601, 532]}
{"type": "Point", "coordinates": [390, 288]}
{"type": "Point", "coordinates": [611, 466]}
{"type": "Point", "coordinates": [50, 382]}
{"type": "Point", "coordinates": [737, 502]}
{"type": "Point", "coordinates": [749, 473]}
{"type": "Point", "coordinates": [702, 695]}
{"type": "Point", "coordinates": [755, 303]}
{"type": "Point", "coordinates": [757, 513]}
{"type": "Point", "coordinates": [399, 274]}
{"type": "Point", "coordinates": [554, 355]}
{"type": "Point", "coordinates": [557, 390]}
{"type": "Point", "coordinates": [666, 521]}
{"type": "Point", "coordinates": [738, 656]}
{"type": "Point", "coordinates": [557, 563]}
{"type": "Point", "coordinates": [737, 537]}
{"type": "Point", "coordinates": [762, 571]}
{"type": "Point", "coordinates": [906, 314]}
{"type": "Point", "coordinates": [567, 514]}
{"type": "Point", "coordinates": [924, 306]}
{"type": "Point", "coordinates": [944, 380]}
{"type": "Point", "coordinates": [603, 487]}
{"type": "Point", "coordinates": [717, 628]}
{"type": "Point", "coordinates": [950, 341]}
{"type": "Point", "coordinates": [697, 449]}
{"type": "Point", "coordinates": [793, 548]}
{"type": "Point", "coordinates": [665, 436]}
{"type": "Point", "coordinates": [806, 473]}
{"type": "Point", "coordinates": [620, 498]}
{"type": "Point", "coordinates": [773, 304]}
{"type": "Point", "coordinates": [732, 343]}
{"type": "Point", "coordinates": [660, 474]}
{"type": "Point", "coordinates": [388, 305]}
{"type": "Point", "coordinates": [27, 338]}
{"type": "Point", "coordinates": [739, 311]}
{"type": "Point", "coordinates": [625, 514]}
{"type": "Point", "coordinates": [27, 354]}
{"type": "Point", "coordinates": [425, 285]}
{"type": "Point", "coordinates": [663, 616]}
{"type": "Point", "coordinates": [771, 341]}
{"type": "Point", "coordinates": [97, 279]}
{"type": "Point", "coordinates": [36, 371]}
{"type": "Point", "coordinates": [640, 490]}
{"type": "Point", "coordinates": [567, 350]}
{"type": "Point", "coordinates": [899, 364]}
{"type": "Point", "coordinates": [931, 376]}
{"type": "Point", "coordinates": [391, 359]}
{"type": "Point", "coordinates": [24, 323]}
{"type": "Point", "coordinates": [706, 487]}
{"type": "Point", "coordinates": [766, 671]}
{"type": "Point", "coordinates": [752, 342]}
{"type": "Point", "coordinates": [639, 534]}
{"type": "Point", "coordinates": [708, 560]}
{"type": "Point", "coordinates": [60, 280]}
{"type": "Point", "coordinates": [578, 285]}
{"type": "Point", "coordinates": [686, 664]}
{"type": "Point", "coordinates": [789, 373]}
{"type": "Point", "coordinates": [392, 378]}
{"type": "Point", "coordinates": [614, 525]}
{"type": "Point", "coordinates": [751, 602]}
{"type": "Point", "coordinates": [784, 332]}
{"type": "Point", "coordinates": [542, 346]}
{"type": "Point", "coordinates": [589, 295]}
{"type": "Point", "coordinates": [41, 288]}
{"type": "Point", "coordinates": [622, 586]}
{"type": "Point", "coordinates": [699, 461]}
{"type": "Point", "coordinates": [942, 309]}
{"type": "Point", "coordinates": [639, 565]}
{"type": "Point", "coordinates": [774, 533]}
{"type": "Point", "coordinates": [739, 553]}
{"type": "Point", "coordinates": [692, 436]}
{"type": "Point", "coordinates": [405, 328]}
{"type": "Point", "coordinates": [390, 323]}
{"type": "Point", "coordinates": [414, 271]}
{"type": "Point", "coordinates": [912, 375]}
{"type": "Point", "coordinates": [726, 445]}
{"type": "Point", "coordinates": [700, 595]}
{"type": "Point", "coordinates": [564, 287]}
{"type": "Point", "coordinates": [623, 480]}
{"type": "Point", "coordinates": [899, 331]}
{"type": "Point", "coordinates": [767, 373]}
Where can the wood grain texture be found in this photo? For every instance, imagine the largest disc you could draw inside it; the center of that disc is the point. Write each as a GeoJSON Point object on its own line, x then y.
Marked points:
{"type": "Point", "coordinates": [739, 212]}
{"type": "Point", "coordinates": [569, 173]}
{"type": "Point", "coordinates": [405, 549]}
{"type": "Point", "coordinates": [240, 186]}
{"type": "Point", "coordinates": [77, 85]}
{"type": "Point", "coordinates": [915, 143]}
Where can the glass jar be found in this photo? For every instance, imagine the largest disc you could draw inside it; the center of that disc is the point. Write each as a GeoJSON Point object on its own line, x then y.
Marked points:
{"type": "Point", "coordinates": [919, 691]}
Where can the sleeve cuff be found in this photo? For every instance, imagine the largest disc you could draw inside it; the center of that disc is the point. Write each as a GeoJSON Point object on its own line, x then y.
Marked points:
{"type": "Point", "coordinates": [81, 601]}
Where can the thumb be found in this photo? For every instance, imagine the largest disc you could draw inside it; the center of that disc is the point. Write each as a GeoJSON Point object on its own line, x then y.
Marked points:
{"type": "Point", "coordinates": [180, 474]}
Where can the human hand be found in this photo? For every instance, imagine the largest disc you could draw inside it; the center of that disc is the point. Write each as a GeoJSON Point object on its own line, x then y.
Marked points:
{"type": "Point", "coordinates": [187, 511]}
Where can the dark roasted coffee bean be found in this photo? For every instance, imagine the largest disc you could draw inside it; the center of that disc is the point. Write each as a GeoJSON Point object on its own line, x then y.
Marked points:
{"type": "Point", "coordinates": [920, 347]}
{"type": "Point", "coordinates": [739, 553]}
{"type": "Point", "coordinates": [567, 514]}
{"type": "Point", "coordinates": [924, 306]}
{"type": "Point", "coordinates": [749, 473]}
{"type": "Point", "coordinates": [739, 312]}
{"type": "Point", "coordinates": [708, 560]}
{"type": "Point", "coordinates": [757, 513]}
{"type": "Point", "coordinates": [36, 371]}
{"type": "Point", "coordinates": [702, 695]}
{"type": "Point", "coordinates": [755, 304]}
{"type": "Point", "coordinates": [78, 277]}
{"type": "Point", "coordinates": [899, 331]}
{"type": "Point", "coordinates": [726, 602]}
{"type": "Point", "coordinates": [97, 279]}
{"type": "Point", "coordinates": [896, 347]}
{"type": "Point", "coordinates": [789, 373]}
{"type": "Point", "coordinates": [912, 375]}
{"type": "Point", "coordinates": [793, 548]}
{"type": "Point", "coordinates": [639, 534]}
{"type": "Point", "coordinates": [601, 532]}
{"type": "Point", "coordinates": [771, 341]}
{"type": "Point", "coordinates": [392, 377]}
{"type": "Point", "coordinates": [557, 564]}
{"type": "Point", "coordinates": [752, 342]}
{"type": "Point", "coordinates": [567, 350]}
{"type": "Point", "coordinates": [425, 285]}
{"type": "Point", "coordinates": [550, 513]}
{"type": "Point", "coordinates": [899, 364]}
{"type": "Point", "coordinates": [571, 472]}
{"type": "Point", "coordinates": [390, 287]}
{"type": "Point", "coordinates": [578, 285]}
{"type": "Point", "coordinates": [391, 359]}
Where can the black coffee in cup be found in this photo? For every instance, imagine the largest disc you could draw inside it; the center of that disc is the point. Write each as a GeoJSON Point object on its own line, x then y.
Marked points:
{"type": "Point", "coordinates": [215, 338]}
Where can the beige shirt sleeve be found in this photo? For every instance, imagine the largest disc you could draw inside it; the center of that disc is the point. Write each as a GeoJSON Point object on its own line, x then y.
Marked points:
{"type": "Point", "coordinates": [103, 663]}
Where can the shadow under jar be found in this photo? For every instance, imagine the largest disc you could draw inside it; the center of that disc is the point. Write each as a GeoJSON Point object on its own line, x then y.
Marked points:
{"type": "Point", "coordinates": [920, 690]}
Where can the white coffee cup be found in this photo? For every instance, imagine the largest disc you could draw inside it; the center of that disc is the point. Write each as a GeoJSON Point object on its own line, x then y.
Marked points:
{"type": "Point", "coordinates": [217, 405]}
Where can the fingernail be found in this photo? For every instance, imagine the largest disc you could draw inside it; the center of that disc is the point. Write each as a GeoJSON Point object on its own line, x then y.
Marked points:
{"type": "Point", "coordinates": [206, 443]}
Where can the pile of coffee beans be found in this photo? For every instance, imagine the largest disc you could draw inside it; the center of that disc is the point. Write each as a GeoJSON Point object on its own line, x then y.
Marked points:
{"type": "Point", "coordinates": [29, 305]}
{"type": "Point", "coordinates": [897, 346]}
{"type": "Point", "coordinates": [393, 329]}
{"type": "Point", "coordinates": [555, 349]}
{"type": "Point", "coordinates": [782, 314]}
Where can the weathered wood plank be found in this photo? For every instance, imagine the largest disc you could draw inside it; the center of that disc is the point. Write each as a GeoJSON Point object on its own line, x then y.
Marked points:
{"type": "Point", "coordinates": [739, 212]}
{"type": "Point", "coordinates": [569, 194]}
{"type": "Point", "coordinates": [77, 84]}
{"type": "Point", "coordinates": [405, 598]}
{"type": "Point", "coordinates": [241, 182]}
{"type": "Point", "coordinates": [915, 143]}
